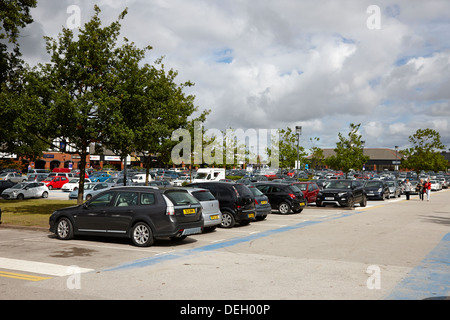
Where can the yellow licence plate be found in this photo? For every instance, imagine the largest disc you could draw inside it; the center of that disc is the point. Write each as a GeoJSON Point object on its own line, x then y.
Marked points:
{"type": "Point", "coordinates": [214, 217]}
{"type": "Point", "coordinates": [251, 215]}
{"type": "Point", "coordinates": [302, 203]}
{"type": "Point", "coordinates": [188, 211]}
{"type": "Point", "coordinates": [264, 202]}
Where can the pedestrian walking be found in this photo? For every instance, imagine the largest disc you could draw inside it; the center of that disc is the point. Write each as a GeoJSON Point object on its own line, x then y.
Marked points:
{"type": "Point", "coordinates": [408, 187]}
{"type": "Point", "coordinates": [419, 189]}
{"type": "Point", "coordinates": [427, 188]}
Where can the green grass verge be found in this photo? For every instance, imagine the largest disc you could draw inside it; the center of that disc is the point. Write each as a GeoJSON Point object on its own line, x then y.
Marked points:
{"type": "Point", "coordinates": [31, 212]}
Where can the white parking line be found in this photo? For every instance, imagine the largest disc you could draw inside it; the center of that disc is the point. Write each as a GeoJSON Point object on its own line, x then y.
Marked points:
{"type": "Point", "coordinates": [39, 267]}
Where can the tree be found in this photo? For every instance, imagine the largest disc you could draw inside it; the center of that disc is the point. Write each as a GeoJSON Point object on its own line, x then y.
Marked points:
{"type": "Point", "coordinates": [13, 16]}
{"type": "Point", "coordinates": [424, 153]}
{"type": "Point", "coordinates": [71, 97]}
{"type": "Point", "coordinates": [349, 151]}
{"type": "Point", "coordinates": [287, 149]}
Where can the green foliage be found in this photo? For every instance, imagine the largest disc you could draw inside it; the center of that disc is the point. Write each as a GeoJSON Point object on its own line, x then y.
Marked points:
{"type": "Point", "coordinates": [349, 151]}
{"type": "Point", "coordinates": [424, 153]}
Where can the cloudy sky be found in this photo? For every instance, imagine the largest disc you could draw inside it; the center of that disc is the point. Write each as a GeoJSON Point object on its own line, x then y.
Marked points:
{"type": "Point", "coordinates": [266, 64]}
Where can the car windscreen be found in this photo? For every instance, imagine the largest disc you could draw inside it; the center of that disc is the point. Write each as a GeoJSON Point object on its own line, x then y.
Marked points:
{"type": "Point", "coordinates": [19, 186]}
{"type": "Point", "coordinates": [181, 198]}
{"type": "Point", "coordinates": [203, 195]}
{"type": "Point", "coordinates": [339, 185]}
{"type": "Point", "coordinates": [373, 184]}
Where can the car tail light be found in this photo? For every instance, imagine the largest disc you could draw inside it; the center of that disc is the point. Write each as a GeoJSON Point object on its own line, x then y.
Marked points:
{"type": "Point", "coordinates": [170, 209]}
{"type": "Point", "coordinates": [292, 195]}
{"type": "Point", "coordinates": [256, 202]}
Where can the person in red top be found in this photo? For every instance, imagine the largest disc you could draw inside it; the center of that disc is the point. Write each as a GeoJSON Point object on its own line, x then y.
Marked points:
{"type": "Point", "coordinates": [427, 188]}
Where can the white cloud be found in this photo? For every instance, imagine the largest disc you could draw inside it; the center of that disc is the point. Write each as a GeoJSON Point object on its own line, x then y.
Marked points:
{"type": "Point", "coordinates": [273, 64]}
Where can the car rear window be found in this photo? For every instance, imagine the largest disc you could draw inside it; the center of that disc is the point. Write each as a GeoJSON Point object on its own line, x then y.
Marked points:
{"type": "Point", "coordinates": [256, 192]}
{"type": "Point", "coordinates": [243, 190]}
{"type": "Point", "coordinates": [203, 195]}
{"type": "Point", "coordinates": [181, 198]}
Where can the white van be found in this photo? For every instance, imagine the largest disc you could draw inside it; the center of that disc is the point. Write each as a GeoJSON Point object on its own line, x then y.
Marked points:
{"type": "Point", "coordinates": [141, 177]}
{"type": "Point", "coordinates": [209, 174]}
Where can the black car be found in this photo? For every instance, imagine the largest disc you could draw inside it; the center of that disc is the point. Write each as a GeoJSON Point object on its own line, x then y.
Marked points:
{"type": "Point", "coordinates": [5, 184]}
{"type": "Point", "coordinates": [376, 189]}
{"type": "Point", "coordinates": [342, 192]}
{"type": "Point", "coordinates": [236, 201]}
{"type": "Point", "coordinates": [139, 213]}
{"type": "Point", "coordinates": [283, 197]}
{"type": "Point", "coordinates": [262, 204]}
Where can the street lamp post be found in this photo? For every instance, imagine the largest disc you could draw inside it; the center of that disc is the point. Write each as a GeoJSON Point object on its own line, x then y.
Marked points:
{"type": "Point", "coordinates": [298, 131]}
{"type": "Point", "coordinates": [396, 158]}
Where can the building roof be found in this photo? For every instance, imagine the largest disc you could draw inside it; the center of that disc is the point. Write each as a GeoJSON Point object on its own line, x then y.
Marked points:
{"type": "Point", "coordinates": [373, 153]}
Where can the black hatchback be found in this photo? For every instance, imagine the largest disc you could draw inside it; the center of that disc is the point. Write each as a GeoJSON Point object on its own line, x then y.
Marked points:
{"type": "Point", "coordinates": [139, 213]}
{"type": "Point", "coordinates": [283, 197]}
{"type": "Point", "coordinates": [236, 201]}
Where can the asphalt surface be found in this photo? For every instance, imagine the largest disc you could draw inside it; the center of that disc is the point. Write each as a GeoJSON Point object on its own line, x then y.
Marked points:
{"type": "Point", "coordinates": [394, 249]}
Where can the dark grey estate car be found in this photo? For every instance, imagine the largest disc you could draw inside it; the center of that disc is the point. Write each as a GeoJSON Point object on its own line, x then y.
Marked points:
{"type": "Point", "coordinates": [139, 213]}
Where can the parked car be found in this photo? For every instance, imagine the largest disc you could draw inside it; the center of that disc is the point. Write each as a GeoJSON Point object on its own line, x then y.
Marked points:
{"type": "Point", "coordinates": [26, 190]}
{"type": "Point", "coordinates": [376, 189]}
{"type": "Point", "coordinates": [12, 176]}
{"type": "Point", "coordinates": [99, 177]}
{"type": "Point", "coordinates": [137, 178]}
{"type": "Point", "coordinates": [37, 177]}
{"type": "Point", "coordinates": [180, 180]}
{"type": "Point", "coordinates": [4, 184]}
{"type": "Point", "coordinates": [55, 182]}
{"type": "Point", "coordinates": [236, 201]}
{"type": "Point", "coordinates": [90, 190]}
{"type": "Point", "coordinates": [139, 213]}
{"type": "Point", "coordinates": [212, 217]}
{"type": "Point", "coordinates": [310, 190]}
{"type": "Point", "coordinates": [283, 197]}
{"type": "Point", "coordinates": [343, 192]}
{"type": "Point", "coordinates": [395, 190]}
{"type": "Point", "coordinates": [38, 171]}
{"type": "Point", "coordinates": [262, 204]}
{"type": "Point", "coordinates": [68, 175]}
{"type": "Point", "coordinates": [73, 184]}
{"type": "Point", "coordinates": [435, 185]}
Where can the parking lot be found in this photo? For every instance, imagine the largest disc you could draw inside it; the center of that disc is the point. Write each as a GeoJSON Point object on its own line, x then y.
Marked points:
{"type": "Point", "coordinates": [321, 253]}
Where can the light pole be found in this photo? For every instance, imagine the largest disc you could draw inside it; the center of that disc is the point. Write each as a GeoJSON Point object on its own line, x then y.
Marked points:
{"type": "Point", "coordinates": [396, 158]}
{"type": "Point", "coordinates": [363, 144]}
{"type": "Point", "coordinates": [298, 131]}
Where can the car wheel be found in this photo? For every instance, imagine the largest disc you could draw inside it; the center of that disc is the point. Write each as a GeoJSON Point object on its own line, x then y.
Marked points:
{"type": "Point", "coordinates": [64, 229]}
{"type": "Point", "coordinates": [45, 194]}
{"type": "Point", "coordinates": [227, 220]}
{"type": "Point", "coordinates": [363, 202]}
{"type": "Point", "coordinates": [89, 197]}
{"type": "Point", "coordinates": [319, 204]}
{"type": "Point", "coordinates": [20, 196]}
{"type": "Point", "coordinates": [142, 235]}
{"type": "Point", "coordinates": [284, 208]}
{"type": "Point", "coordinates": [351, 202]}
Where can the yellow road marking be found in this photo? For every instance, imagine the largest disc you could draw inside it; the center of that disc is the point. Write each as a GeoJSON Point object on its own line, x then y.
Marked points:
{"type": "Point", "coordinates": [22, 276]}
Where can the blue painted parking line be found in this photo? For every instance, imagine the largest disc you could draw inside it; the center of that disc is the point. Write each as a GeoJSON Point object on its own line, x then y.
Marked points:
{"type": "Point", "coordinates": [428, 280]}
{"type": "Point", "coordinates": [219, 245]}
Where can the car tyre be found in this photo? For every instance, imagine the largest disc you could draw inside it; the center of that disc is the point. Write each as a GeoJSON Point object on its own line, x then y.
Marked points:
{"type": "Point", "coordinates": [363, 202]}
{"type": "Point", "coordinates": [45, 194]}
{"type": "Point", "coordinates": [20, 196]}
{"type": "Point", "coordinates": [142, 235]}
{"type": "Point", "coordinates": [228, 220]}
{"type": "Point", "coordinates": [64, 229]}
{"type": "Point", "coordinates": [284, 208]}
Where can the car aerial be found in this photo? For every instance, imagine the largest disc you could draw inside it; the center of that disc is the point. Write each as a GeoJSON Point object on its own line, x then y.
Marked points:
{"type": "Point", "coordinates": [139, 213]}
{"type": "Point", "coordinates": [395, 190]}
{"type": "Point", "coordinates": [262, 204]}
{"type": "Point", "coordinates": [236, 201]}
{"type": "Point", "coordinates": [26, 190]}
{"type": "Point", "coordinates": [55, 182]}
{"type": "Point", "coordinates": [73, 184]}
{"type": "Point", "coordinates": [285, 198]}
{"type": "Point", "coordinates": [342, 192]}
{"type": "Point", "coordinates": [12, 176]}
{"type": "Point", "coordinates": [310, 190]}
{"type": "Point", "coordinates": [90, 190]}
{"type": "Point", "coordinates": [212, 217]}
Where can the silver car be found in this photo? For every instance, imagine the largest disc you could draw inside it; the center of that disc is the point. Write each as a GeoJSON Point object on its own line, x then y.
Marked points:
{"type": "Point", "coordinates": [26, 190]}
{"type": "Point", "coordinates": [212, 216]}
{"type": "Point", "coordinates": [90, 190]}
{"type": "Point", "coordinates": [13, 177]}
